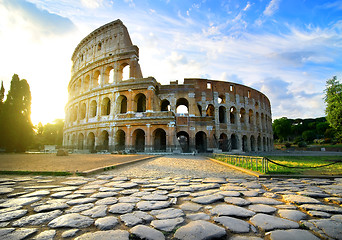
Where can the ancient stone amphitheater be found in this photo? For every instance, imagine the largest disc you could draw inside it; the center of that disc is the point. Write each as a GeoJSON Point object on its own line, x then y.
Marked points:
{"type": "Point", "coordinates": [111, 107]}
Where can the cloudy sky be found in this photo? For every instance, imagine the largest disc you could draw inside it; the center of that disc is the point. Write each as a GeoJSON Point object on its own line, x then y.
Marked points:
{"type": "Point", "coordinates": [287, 49]}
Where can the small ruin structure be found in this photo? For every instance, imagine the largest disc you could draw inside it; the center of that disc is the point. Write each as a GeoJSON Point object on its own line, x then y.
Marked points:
{"type": "Point", "coordinates": [112, 107]}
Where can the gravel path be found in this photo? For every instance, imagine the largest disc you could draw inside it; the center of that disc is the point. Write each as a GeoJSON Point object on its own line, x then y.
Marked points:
{"type": "Point", "coordinates": [177, 166]}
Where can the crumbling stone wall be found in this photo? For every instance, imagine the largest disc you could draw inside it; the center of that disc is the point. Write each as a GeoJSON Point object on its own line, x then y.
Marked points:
{"type": "Point", "coordinates": [108, 111]}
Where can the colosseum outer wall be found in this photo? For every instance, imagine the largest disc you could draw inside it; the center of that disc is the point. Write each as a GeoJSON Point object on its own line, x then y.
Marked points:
{"type": "Point", "coordinates": [112, 107]}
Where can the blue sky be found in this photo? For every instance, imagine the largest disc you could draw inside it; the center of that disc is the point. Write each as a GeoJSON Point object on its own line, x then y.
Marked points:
{"type": "Point", "coordinates": [285, 48]}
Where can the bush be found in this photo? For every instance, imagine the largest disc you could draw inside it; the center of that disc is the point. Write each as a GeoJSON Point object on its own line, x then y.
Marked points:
{"type": "Point", "coordinates": [287, 145]}
{"type": "Point", "coordinates": [302, 144]}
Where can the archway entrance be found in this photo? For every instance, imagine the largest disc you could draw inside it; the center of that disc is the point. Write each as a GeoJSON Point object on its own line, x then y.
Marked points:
{"type": "Point", "coordinates": [234, 142]}
{"type": "Point", "coordinates": [201, 141]}
{"type": "Point", "coordinates": [244, 143]}
{"type": "Point", "coordinates": [139, 140]}
{"type": "Point", "coordinates": [120, 137]}
{"type": "Point", "coordinates": [224, 143]}
{"type": "Point", "coordinates": [91, 141]}
{"type": "Point", "coordinates": [183, 139]}
{"type": "Point", "coordinates": [159, 142]}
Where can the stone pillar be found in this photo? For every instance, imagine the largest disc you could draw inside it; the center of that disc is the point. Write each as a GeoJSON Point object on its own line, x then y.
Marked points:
{"type": "Point", "coordinates": [148, 139]}
{"type": "Point", "coordinates": [149, 98]}
{"type": "Point", "coordinates": [171, 137]}
{"type": "Point", "coordinates": [129, 138]}
{"type": "Point", "coordinates": [130, 101]}
{"type": "Point", "coordinates": [192, 104]}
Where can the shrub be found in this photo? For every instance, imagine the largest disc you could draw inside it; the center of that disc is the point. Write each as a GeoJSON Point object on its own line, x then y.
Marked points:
{"type": "Point", "coordinates": [302, 144]}
{"type": "Point", "coordinates": [287, 145]}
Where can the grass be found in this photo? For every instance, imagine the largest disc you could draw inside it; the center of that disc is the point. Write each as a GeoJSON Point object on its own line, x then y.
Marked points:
{"type": "Point", "coordinates": [36, 173]}
{"type": "Point", "coordinates": [306, 165]}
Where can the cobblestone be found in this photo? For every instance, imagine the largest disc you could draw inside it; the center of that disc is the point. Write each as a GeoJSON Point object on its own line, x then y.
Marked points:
{"type": "Point", "coordinates": [172, 197]}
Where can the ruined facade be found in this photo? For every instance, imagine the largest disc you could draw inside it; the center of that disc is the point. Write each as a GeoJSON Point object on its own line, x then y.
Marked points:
{"type": "Point", "coordinates": [112, 107]}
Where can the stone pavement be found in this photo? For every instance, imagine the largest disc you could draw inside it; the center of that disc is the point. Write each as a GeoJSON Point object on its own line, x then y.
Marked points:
{"type": "Point", "coordinates": [200, 201]}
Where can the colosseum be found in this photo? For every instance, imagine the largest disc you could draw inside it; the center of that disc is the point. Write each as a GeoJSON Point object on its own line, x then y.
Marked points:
{"type": "Point", "coordinates": [112, 107]}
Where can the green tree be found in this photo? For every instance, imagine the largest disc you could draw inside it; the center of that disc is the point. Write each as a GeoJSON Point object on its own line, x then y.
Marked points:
{"type": "Point", "coordinates": [282, 128]}
{"type": "Point", "coordinates": [17, 131]}
{"type": "Point", "coordinates": [333, 100]}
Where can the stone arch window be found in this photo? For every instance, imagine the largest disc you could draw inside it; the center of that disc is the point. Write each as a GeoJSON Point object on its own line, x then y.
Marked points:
{"type": "Point", "coordinates": [122, 104]}
{"type": "Point", "coordinates": [210, 112]}
{"type": "Point", "coordinates": [232, 113]}
{"type": "Point", "coordinates": [234, 141]}
{"type": "Point", "coordinates": [159, 140]}
{"type": "Point", "coordinates": [140, 100]}
{"type": "Point", "coordinates": [201, 141]}
{"type": "Point", "coordinates": [120, 137]}
{"type": "Point", "coordinates": [256, 105]}
{"type": "Point", "coordinates": [105, 106]}
{"type": "Point", "coordinates": [96, 78]}
{"type": "Point", "coordinates": [75, 114]}
{"type": "Point", "coordinates": [104, 140]}
{"type": "Point", "coordinates": [199, 109]}
{"type": "Point", "coordinates": [93, 109]}
{"type": "Point", "coordinates": [83, 111]}
{"type": "Point", "coordinates": [80, 141]}
{"type": "Point", "coordinates": [224, 142]}
{"type": "Point", "coordinates": [250, 116]}
{"type": "Point", "coordinates": [221, 99]}
{"type": "Point", "coordinates": [182, 106]}
{"type": "Point", "coordinates": [91, 141]}
{"type": "Point", "coordinates": [139, 140]}
{"type": "Point", "coordinates": [257, 119]}
{"type": "Point", "coordinates": [184, 140]}
{"type": "Point", "coordinates": [244, 143]}
{"type": "Point", "coordinates": [86, 83]}
{"type": "Point", "coordinates": [259, 143]}
{"type": "Point", "coordinates": [99, 46]}
{"type": "Point", "coordinates": [242, 115]}
{"type": "Point", "coordinates": [231, 88]}
{"type": "Point", "coordinates": [264, 143]}
{"type": "Point", "coordinates": [124, 73]}
{"type": "Point", "coordinates": [109, 75]}
{"type": "Point", "coordinates": [252, 143]}
{"type": "Point", "coordinates": [222, 114]}
{"type": "Point", "coordinates": [165, 106]}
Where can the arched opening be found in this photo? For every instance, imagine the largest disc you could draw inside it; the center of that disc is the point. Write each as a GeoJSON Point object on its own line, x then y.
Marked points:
{"type": "Point", "coordinates": [234, 142]}
{"type": "Point", "coordinates": [93, 109]}
{"type": "Point", "coordinates": [111, 76]}
{"type": "Point", "coordinates": [252, 144]}
{"type": "Point", "coordinates": [83, 111]}
{"type": "Point", "coordinates": [96, 78]}
{"type": "Point", "coordinates": [182, 106]}
{"type": "Point", "coordinates": [120, 138]}
{"type": "Point", "coordinates": [139, 140]}
{"type": "Point", "coordinates": [86, 83]}
{"type": "Point", "coordinates": [201, 141]}
{"type": "Point", "coordinates": [222, 114]}
{"type": "Point", "coordinates": [105, 106]}
{"type": "Point", "coordinates": [199, 109]}
{"type": "Point", "coordinates": [210, 111]}
{"type": "Point", "coordinates": [80, 141]}
{"type": "Point", "coordinates": [256, 105]}
{"type": "Point", "coordinates": [242, 115]}
{"type": "Point", "coordinates": [140, 99]}
{"type": "Point", "coordinates": [264, 143]}
{"type": "Point", "coordinates": [91, 141]}
{"type": "Point", "coordinates": [165, 106]}
{"type": "Point", "coordinates": [244, 143]}
{"type": "Point", "coordinates": [250, 117]}
{"type": "Point", "coordinates": [126, 72]}
{"type": "Point", "coordinates": [221, 99]}
{"type": "Point", "coordinates": [75, 114]}
{"type": "Point", "coordinates": [232, 115]}
{"type": "Point", "coordinates": [121, 104]}
{"type": "Point", "coordinates": [73, 141]}
{"type": "Point", "coordinates": [257, 119]}
{"type": "Point", "coordinates": [159, 142]}
{"type": "Point", "coordinates": [259, 143]}
{"type": "Point", "coordinates": [104, 138]}
{"type": "Point", "coordinates": [262, 121]}
{"type": "Point", "coordinates": [224, 143]}
{"type": "Point", "coordinates": [183, 139]}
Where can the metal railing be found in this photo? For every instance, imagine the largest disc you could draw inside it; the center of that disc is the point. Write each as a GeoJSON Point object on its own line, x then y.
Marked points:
{"type": "Point", "coordinates": [259, 164]}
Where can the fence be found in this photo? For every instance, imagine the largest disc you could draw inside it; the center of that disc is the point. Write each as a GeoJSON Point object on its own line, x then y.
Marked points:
{"type": "Point", "coordinates": [259, 164]}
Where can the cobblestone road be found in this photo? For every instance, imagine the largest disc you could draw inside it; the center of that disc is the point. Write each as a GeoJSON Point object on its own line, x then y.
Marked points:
{"type": "Point", "coordinates": [170, 197]}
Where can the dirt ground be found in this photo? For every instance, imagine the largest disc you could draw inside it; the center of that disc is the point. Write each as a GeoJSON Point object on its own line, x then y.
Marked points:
{"type": "Point", "coordinates": [71, 163]}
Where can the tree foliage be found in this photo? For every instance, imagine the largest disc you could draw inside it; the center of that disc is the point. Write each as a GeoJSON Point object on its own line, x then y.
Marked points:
{"type": "Point", "coordinates": [282, 128]}
{"type": "Point", "coordinates": [49, 134]}
{"type": "Point", "coordinates": [333, 100]}
{"type": "Point", "coordinates": [15, 119]}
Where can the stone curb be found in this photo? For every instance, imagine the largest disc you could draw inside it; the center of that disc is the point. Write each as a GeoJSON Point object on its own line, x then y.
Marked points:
{"type": "Point", "coordinates": [102, 169]}
{"type": "Point", "coordinates": [259, 175]}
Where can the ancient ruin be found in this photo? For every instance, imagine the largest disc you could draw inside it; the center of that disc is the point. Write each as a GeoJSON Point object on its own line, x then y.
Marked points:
{"type": "Point", "coordinates": [112, 107]}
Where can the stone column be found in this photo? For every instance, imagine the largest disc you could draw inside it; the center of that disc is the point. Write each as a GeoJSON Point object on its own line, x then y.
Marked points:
{"type": "Point", "coordinates": [148, 138]}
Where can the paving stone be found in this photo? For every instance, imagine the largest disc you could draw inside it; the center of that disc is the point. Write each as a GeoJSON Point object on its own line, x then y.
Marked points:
{"type": "Point", "coordinates": [20, 233]}
{"type": "Point", "coordinates": [121, 208]}
{"type": "Point", "coordinates": [129, 191]}
{"type": "Point", "coordinates": [233, 224]}
{"type": "Point", "coordinates": [148, 233]}
{"type": "Point", "coordinates": [262, 208]}
{"type": "Point", "coordinates": [51, 207]}
{"type": "Point", "coordinates": [37, 219]}
{"type": "Point", "coordinates": [298, 199]}
{"type": "Point", "coordinates": [214, 180]}
{"type": "Point", "coordinates": [198, 216]}
{"type": "Point", "coordinates": [179, 194]}
{"type": "Point", "coordinates": [85, 191]}
{"type": "Point", "coordinates": [75, 182]}
{"type": "Point", "coordinates": [96, 212]}
{"type": "Point", "coordinates": [70, 233]}
{"type": "Point", "coordinates": [207, 199]}
{"type": "Point", "coordinates": [107, 201]}
{"type": "Point", "coordinates": [61, 189]}
{"type": "Point", "coordinates": [10, 215]}
{"type": "Point", "coordinates": [152, 205]}
{"type": "Point", "coordinates": [320, 207]}
{"type": "Point", "coordinates": [232, 188]}
{"type": "Point", "coordinates": [46, 235]}
{"type": "Point", "coordinates": [293, 215]}
{"type": "Point", "coordinates": [313, 194]}
{"type": "Point", "coordinates": [293, 234]}
{"type": "Point", "coordinates": [40, 193]}
{"type": "Point", "coordinates": [189, 206]}
{"type": "Point", "coordinates": [252, 185]}
{"type": "Point", "coordinates": [167, 224]}
{"type": "Point", "coordinates": [337, 218]}
{"type": "Point", "coordinates": [237, 201]}
{"type": "Point", "coordinates": [106, 223]}
{"type": "Point", "coordinates": [183, 189]}
{"type": "Point", "coordinates": [231, 210]}
{"type": "Point", "coordinates": [167, 213]}
{"type": "Point", "coordinates": [263, 200]}
{"type": "Point", "coordinates": [6, 190]}
{"type": "Point", "coordinates": [250, 193]}
{"type": "Point", "coordinates": [268, 222]}
{"type": "Point", "coordinates": [244, 238]}
{"type": "Point", "coordinates": [61, 194]}
{"type": "Point", "coordinates": [229, 193]}
{"type": "Point", "coordinates": [74, 196]}
{"type": "Point", "coordinates": [103, 194]}
{"type": "Point", "coordinates": [19, 202]}
{"type": "Point", "coordinates": [105, 235]}
{"type": "Point", "coordinates": [81, 201]}
{"type": "Point", "coordinates": [205, 186]}
{"type": "Point", "coordinates": [129, 199]}
{"type": "Point", "coordinates": [199, 230]}
{"type": "Point", "coordinates": [336, 200]}
{"type": "Point", "coordinates": [135, 218]}
{"type": "Point", "coordinates": [205, 193]}
{"type": "Point", "coordinates": [270, 195]}
{"type": "Point", "coordinates": [286, 206]}
{"type": "Point", "coordinates": [71, 220]}
{"type": "Point", "coordinates": [126, 185]}
{"type": "Point", "coordinates": [80, 208]}
{"type": "Point", "coordinates": [319, 214]}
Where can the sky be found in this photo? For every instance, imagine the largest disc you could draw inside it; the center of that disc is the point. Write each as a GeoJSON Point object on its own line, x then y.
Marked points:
{"type": "Point", "coordinates": [286, 49]}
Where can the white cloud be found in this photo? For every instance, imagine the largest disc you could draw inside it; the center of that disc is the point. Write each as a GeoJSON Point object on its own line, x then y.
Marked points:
{"type": "Point", "coordinates": [248, 6]}
{"type": "Point", "coordinates": [92, 3]}
{"type": "Point", "coordinates": [272, 7]}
